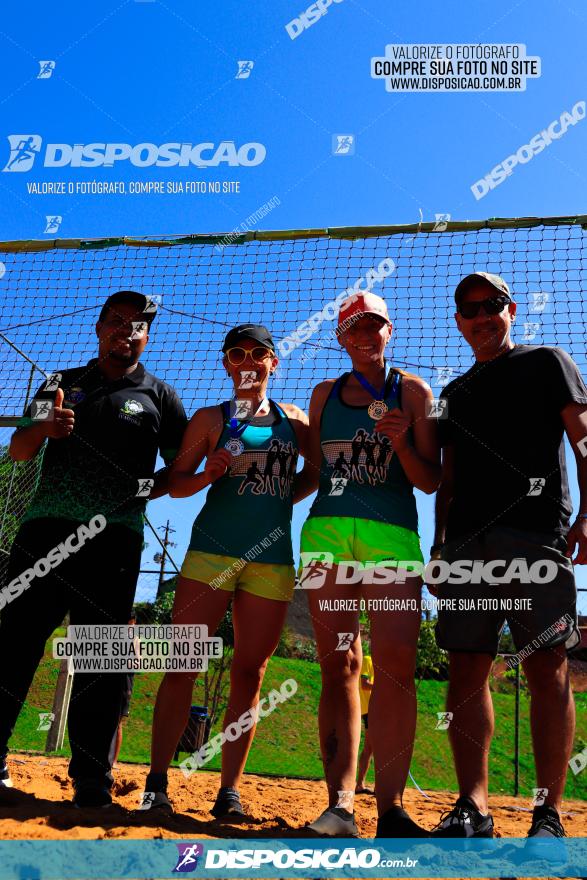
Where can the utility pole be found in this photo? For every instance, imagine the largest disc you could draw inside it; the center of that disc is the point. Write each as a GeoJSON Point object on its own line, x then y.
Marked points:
{"type": "Point", "coordinates": [160, 557]}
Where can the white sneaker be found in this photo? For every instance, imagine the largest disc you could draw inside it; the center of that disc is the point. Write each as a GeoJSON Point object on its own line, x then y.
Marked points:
{"type": "Point", "coordinates": [5, 780]}
{"type": "Point", "coordinates": [335, 822]}
{"type": "Point", "coordinates": [156, 800]}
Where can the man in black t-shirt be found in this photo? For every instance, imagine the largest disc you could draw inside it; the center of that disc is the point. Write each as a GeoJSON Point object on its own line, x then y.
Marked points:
{"type": "Point", "coordinates": [504, 542]}
{"type": "Point", "coordinates": [78, 549]}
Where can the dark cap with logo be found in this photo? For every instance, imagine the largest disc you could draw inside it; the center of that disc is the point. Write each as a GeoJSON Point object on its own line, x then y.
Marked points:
{"type": "Point", "coordinates": [477, 278]}
{"type": "Point", "coordinates": [256, 332]}
{"type": "Point", "coordinates": [146, 307]}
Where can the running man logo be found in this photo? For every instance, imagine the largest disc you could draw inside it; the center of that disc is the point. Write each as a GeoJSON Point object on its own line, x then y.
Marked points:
{"type": "Point", "coordinates": [437, 408]}
{"type": "Point", "coordinates": [152, 304]}
{"type": "Point", "coordinates": [539, 301]}
{"type": "Point", "coordinates": [443, 375]}
{"type": "Point", "coordinates": [345, 641]}
{"type": "Point", "coordinates": [244, 69]}
{"type": "Point", "coordinates": [343, 145]}
{"type": "Point", "coordinates": [247, 378]}
{"type": "Point", "coordinates": [147, 799]}
{"type": "Point", "coordinates": [539, 796]}
{"type": "Point", "coordinates": [46, 719]}
{"type": "Point", "coordinates": [444, 719]}
{"type": "Point", "coordinates": [24, 149]}
{"type": "Point", "coordinates": [46, 69]}
{"type": "Point", "coordinates": [537, 484]}
{"type": "Point", "coordinates": [531, 328]}
{"type": "Point", "coordinates": [53, 380]}
{"type": "Point", "coordinates": [314, 569]}
{"type": "Point", "coordinates": [53, 222]}
{"type": "Point", "coordinates": [242, 408]}
{"type": "Point", "coordinates": [345, 800]}
{"type": "Point", "coordinates": [338, 485]}
{"type": "Point", "coordinates": [187, 860]}
{"type": "Point", "coordinates": [145, 487]}
{"type": "Point", "coordinates": [440, 222]}
{"type": "Point", "coordinates": [139, 328]}
{"type": "Point", "coordinates": [41, 410]}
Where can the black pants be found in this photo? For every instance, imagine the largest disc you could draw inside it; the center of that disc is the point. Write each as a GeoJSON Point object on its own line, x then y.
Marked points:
{"type": "Point", "coordinates": [97, 586]}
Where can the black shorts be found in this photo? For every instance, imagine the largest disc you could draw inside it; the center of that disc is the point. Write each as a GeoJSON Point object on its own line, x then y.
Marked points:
{"type": "Point", "coordinates": [539, 615]}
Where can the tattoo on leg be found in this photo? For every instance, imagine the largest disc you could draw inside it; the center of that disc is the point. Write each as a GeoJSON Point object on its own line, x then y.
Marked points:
{"type": "Point", "coordinates": [331, 747]}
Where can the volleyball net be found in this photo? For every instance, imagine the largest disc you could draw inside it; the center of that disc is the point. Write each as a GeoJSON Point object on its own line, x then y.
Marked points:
{"type": "Point", "coordinates": [291, 281]}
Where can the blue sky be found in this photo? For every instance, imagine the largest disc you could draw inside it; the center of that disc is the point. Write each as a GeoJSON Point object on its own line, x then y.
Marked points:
{"type": "Point", "coordinates": [158, 72]}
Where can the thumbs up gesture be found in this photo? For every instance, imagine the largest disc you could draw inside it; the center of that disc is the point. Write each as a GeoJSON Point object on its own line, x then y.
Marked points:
{"type": "Point", "coordinates": [63, 419]}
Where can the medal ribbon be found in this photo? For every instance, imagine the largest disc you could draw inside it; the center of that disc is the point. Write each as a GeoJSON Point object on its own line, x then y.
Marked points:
{"type": "Point", "coordinates": [235, 429]}
{"type": "Point", "coordinates": [377, 395]}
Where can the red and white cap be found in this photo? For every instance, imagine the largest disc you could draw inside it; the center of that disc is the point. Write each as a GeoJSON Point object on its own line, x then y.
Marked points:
{"type": "Point", "coordinates": [363, 304]}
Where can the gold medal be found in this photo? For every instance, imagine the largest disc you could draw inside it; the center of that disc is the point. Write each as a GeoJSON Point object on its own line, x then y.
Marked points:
{"type": "Point", "coordinates": [377, 409]}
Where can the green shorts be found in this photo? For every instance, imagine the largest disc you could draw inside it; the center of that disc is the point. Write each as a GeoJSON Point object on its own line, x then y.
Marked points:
{"type": "Point", "coordinates": [359, 540]}
{"type": "Point", "coordinates": [264, 579]}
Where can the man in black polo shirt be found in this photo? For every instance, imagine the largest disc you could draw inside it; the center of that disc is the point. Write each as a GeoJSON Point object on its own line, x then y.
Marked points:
{"type": "Point", "coordinates": [104, 423]}
{"type": "Point", "coordinates": [504, 503]}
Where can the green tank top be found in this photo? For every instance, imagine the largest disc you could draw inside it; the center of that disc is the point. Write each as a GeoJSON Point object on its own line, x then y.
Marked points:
{"type": "Point", "coordinates": [359, 474]}
{"type": "Point", "coordinates": [247, 512]}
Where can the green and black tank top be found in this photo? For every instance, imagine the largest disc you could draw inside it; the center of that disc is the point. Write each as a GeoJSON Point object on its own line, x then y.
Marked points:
{"type": "Point", "coordinates": [359, 474]}
{"type": "Point", "coordinates": [247, 512]}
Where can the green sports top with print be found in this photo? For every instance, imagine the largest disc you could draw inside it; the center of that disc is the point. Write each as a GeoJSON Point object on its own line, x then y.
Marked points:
{"type": "Point", "coordinates": [359, 474]}
{"type": "Point", "coordinates": [247, 512]}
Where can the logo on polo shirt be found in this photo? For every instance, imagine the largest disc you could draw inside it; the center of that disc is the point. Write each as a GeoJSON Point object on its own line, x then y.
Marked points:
{"type": "Point", "coordinates": [74, 395]}
{"type": "Point", "coordinates": [130, 411]}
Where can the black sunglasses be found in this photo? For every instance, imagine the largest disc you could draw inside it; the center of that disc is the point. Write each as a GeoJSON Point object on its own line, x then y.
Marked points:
{"type": "Point", "coordinates": [492, 306]}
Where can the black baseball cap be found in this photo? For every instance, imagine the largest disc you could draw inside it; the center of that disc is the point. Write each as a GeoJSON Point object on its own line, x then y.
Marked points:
{"type": "Point", "coordinates": [470, 281]}
{"type": "Point", "coordinates": [256, 332]}
{"type": "Point", "coordinates": [146, 307]}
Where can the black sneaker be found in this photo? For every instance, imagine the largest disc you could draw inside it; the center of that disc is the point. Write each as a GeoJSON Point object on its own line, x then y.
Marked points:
{"type": "Point", "coordinates": [156, 800]}
{"type": "Point", "coordinates": [545, 836]}
{"type": "Point", "coordinates": [464, 820]}
{"type": "Point", "coordinates": [334, 822]}
{"type": "Point", "coordinates": [91, 793]}
{"type": "Point", "coordinates": [546, 823]}
{"type": "Point", "coordinates": [228, 805]}
{"type": "Point", "coordinates": [395, 822]}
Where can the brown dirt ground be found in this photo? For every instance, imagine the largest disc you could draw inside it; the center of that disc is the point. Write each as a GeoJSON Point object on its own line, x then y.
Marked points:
{"type": "Point", "coordinates": [39, 807]}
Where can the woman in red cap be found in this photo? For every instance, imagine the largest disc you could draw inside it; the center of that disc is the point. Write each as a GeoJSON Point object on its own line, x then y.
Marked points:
{"type": "Point", "coordinates": [371, 443]}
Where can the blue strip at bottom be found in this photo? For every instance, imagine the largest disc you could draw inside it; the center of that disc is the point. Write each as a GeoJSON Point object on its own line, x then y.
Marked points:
{"type": "Point", "coordinates": [307, 858]}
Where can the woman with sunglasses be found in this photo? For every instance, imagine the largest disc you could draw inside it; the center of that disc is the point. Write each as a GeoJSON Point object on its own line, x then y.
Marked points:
{"type": "Point", "coordinates": [370, 444]}
{"type": "Point", "coordinates": [240, 548]}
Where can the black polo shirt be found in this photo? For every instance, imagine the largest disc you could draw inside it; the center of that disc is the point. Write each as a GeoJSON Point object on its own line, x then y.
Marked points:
{"type": "Point", "coordinates": [119, 428]}
{"type": "Point", "coordinates": [505, 426]}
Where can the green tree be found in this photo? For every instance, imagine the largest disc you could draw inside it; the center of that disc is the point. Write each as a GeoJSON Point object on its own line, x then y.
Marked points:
{"type": "Point", "coordinates": [431, 661]}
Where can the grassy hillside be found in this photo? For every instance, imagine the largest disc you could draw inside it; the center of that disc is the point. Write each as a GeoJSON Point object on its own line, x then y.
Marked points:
{"type": "Point", "coordinates": [287, 744]}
